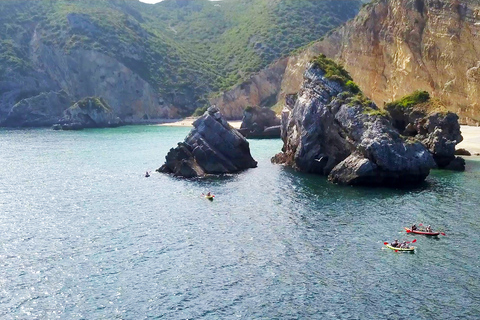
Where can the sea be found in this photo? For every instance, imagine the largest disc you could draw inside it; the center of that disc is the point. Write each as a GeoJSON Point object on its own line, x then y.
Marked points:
{"type": "Point", "coordinates": [85, 235]}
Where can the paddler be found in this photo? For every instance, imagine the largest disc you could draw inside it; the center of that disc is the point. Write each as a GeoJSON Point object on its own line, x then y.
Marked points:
{"type": "Point", "coordinates": [414, 227]}
{"type": "Point", "coordinates": [394, 243]}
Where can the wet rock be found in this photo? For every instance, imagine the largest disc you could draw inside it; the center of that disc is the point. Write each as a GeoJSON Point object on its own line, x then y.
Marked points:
{"type": "Point", "coordinates": [462, 152]}
{"type": "Point", "coordinates": [212, 147]}
{"type": "Point", "coordinates": [458, 164]}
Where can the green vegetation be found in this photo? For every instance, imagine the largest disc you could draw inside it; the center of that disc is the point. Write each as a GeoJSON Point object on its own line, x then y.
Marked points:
{"type": "Point", "coordinates": [188, 47]}
{"type": "Point", "coordinates": [334, 71]}
{"type": "Point", "coordinates": [95, 102]}
{"type": "Point", "coordinates": [200, 111]}
{"type": "Point", "coordinates": [411, 100]}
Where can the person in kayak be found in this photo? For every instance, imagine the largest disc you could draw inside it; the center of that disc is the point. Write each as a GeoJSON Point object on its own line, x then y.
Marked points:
{"type": "Point", "coordinates": [414, 227]}
{"type": "Point", "coordinates": [209, 194]}
{"type": "Point", "coordinates": [394, 243]}
{"type": "Point", "coordinates": [147, 174]}
{"type": "Point", "coordinates": [429, 229]}
{"type": "Point", "coordinates": [404, 245]}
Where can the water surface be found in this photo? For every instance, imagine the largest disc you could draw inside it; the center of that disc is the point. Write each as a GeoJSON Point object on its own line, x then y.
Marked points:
{"type": "Point", "coordinates": [84, 235]}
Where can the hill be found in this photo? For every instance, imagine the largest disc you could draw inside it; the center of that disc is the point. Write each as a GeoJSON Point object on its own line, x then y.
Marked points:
{"type": "Point", "coordinates": [146, 61]}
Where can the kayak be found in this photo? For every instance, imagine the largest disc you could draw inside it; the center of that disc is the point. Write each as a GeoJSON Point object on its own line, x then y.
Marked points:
{"type": "Point", "coordinates": [409, 249]}
{"type": "Point", "coordinates": [422, 232]}
{"type": "Point", "coordinates": [209, 197]}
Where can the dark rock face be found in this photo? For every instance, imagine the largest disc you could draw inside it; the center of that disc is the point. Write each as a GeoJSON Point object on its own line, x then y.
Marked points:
{"type": "Point", "coordinates": [462, 152]}
{"type": "Point", "coordinates": [90, 112]}
{"type": "Point", "coordinates": [260, 123]}
{"type": "Point", "coordinates": [212, 147]}
{"type": "Point", "coordinates": [438, 131]}
{"type": "Point", "coordinates": [330, 131]}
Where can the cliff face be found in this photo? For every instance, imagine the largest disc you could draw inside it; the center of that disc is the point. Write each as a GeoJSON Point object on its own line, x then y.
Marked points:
{"type": "Point", "coordinates": [395, 47]}
{"type": "Point", "coordinates": [79, 74]}
{"type": "Point", "coordinates": [148, 61]}
{"type": "Point", "coordinates": [261, 90]}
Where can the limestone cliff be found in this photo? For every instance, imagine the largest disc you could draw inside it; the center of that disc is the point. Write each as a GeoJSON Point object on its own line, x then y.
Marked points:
{"type": "Point", "coordinates": [71, 77]}
{"type": "Point", "coordinates": [394, 47]}
{"type": "Point", "coordinates": [260, 90]}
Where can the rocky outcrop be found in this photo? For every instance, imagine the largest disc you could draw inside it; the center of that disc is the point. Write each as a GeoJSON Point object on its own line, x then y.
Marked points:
{"type": "Point", "coordinates": [72, 77]}
{"type": "Point", "coordinates": [427, 121]}
{"type": "Point", "coordinates": [261, 89]}
{"type": "Point", "coordinates": [260, 123]}
{"type": "Point", "coordinates": [90, 112]}
{"type": "Point", "coordinates": [330, 130]}
{"type": "Point", "coordinates": [42, 110]}
{"type": "Point", "coordinates": [212, 147]}
{"type": "Point", "coordinates": [395, 47]}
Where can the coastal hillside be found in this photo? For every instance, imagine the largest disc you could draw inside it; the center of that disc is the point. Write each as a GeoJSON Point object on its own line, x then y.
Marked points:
{"type": "Point", "coordinates": [393, 48]}
{"type": "Point", "coordinates": [146, 61]}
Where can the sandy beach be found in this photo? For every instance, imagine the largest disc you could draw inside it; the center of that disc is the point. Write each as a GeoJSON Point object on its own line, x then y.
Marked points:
{"type": "Point", "coordinates": [189, 122]}
{"type": "Point", "coordinates": [471, 139]}
{"type": "Point", "coordinates": [471, 135]}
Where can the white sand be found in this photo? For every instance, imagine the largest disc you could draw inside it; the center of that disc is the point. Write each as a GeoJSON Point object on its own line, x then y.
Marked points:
{"type": "Point", "coordinates": [471, 139]}
{"type": "Point", "coordinates": [188, 122]}
{"type": "Point", "coordinates": [471, 135]}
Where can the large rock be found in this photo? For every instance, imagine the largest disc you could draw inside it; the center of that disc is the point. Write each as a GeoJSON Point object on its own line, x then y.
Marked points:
{"type": "Point", "coordinates": [330, 130]}
{"type": "Point", "coordinates": [90, 112]}
{"type": "Point", "coordinates": [42, 110]}
{"type": "Point", "coordinates": [260, 123]}
{"type": "Point", "coordinates": [426, 120]}
{"type": "Point", "coordinates": [212, 147]}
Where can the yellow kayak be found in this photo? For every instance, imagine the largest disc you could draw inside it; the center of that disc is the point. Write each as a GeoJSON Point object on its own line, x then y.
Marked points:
{"type": "Point", "coordinates": [409, 249]}
{"type": "Point", "coordinates": [209, 197]}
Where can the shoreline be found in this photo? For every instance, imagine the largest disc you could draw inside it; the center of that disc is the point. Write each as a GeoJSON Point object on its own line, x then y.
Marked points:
{"type": "Point", "coordinates": [471, 134]}
{"type": "Point", "coordinates": [188, 122]}
{"type": "Point", "coordinates": [471, 139]}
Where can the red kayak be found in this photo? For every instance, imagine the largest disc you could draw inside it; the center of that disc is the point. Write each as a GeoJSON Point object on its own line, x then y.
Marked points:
{"type": "Point", "coordinates": [422, 232]}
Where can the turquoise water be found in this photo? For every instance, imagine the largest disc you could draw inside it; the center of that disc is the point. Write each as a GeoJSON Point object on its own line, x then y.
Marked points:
{"type": "Point", "coordinates": [83, 235]}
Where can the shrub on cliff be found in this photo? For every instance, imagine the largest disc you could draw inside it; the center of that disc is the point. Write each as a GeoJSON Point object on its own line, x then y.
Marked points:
{"type": "Point", "coordinates": [411, 100]}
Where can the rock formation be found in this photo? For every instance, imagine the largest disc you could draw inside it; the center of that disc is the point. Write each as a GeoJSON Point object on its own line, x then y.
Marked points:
{"type": "Point", "coordinates": [260, 123]}
{"type": "Point", "coordinates": [41, 110]}
{"type": "Point", "coordinates": [393, 48]}
{"type": "Point", "coordinates": [90, 112]}
{"type": "Point", "coordinates": [427, 121]}
{"type": "Point", "coordinates": [212, 147]}
{"type": "Point", "coordinates": [261, 89]}
{"type": "Point", "coordinates": [331, 129]}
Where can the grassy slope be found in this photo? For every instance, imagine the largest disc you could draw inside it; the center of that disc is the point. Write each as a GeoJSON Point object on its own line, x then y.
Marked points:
{"type": "Point", "coordinates": [177, 45]}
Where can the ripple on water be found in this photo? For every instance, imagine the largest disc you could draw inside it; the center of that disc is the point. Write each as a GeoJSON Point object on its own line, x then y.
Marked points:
{"type": "Point", "coordinates": [84, 235]}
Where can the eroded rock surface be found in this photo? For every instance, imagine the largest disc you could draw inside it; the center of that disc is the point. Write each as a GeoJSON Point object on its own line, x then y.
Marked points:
{"type": "Point", "coordinates": [90, 112]}
{"type": "Point", "coordinates": [329, 130]}
{"type": "Point", "coordinates": [260, 123]}
{"type": "Point", "coordinates": [428, 121]}
{"type": "Point", "coordinates": [212, 147]}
